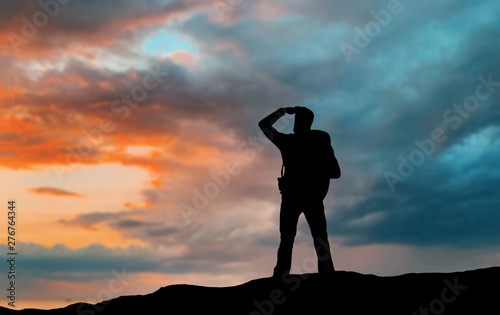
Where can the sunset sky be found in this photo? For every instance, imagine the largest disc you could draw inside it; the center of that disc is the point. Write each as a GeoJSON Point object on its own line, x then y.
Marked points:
{"type": "Point", "coordinates": [129, 138]}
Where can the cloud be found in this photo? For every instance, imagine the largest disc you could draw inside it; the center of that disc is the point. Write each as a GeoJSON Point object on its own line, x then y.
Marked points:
{"type": "Point", "coordinates": [54, 191]}
{"type": "Point", "coordinates": [94, 261]}
{"type": "Point", "coordinates": [79, 28]}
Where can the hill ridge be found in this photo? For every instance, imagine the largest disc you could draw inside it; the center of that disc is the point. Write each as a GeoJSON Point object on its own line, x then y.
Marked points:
{"type": "Point", "coordinates": [341, 292]}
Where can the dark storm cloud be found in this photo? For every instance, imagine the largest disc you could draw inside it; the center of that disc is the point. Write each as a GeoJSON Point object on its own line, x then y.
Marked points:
{"type": "Point", "coordinates": [379, 118]}
{"type": "Point", "coordinates": [424, 209]}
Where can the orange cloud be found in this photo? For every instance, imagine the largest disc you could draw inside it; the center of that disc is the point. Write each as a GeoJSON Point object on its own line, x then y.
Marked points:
{"type": "Point", "coordinates": [68, 79]}
{"type": "Point", "coordinates": [106, 86]}
{"type": "Point", "coordinates": [267, 11]}
{"type": "Point", "coordinates": [131, 205]}
{"type": "Point", "coordinates": [54, 192]}
{"type": "Point", "coordinates": [10, 94]}
{"type": "Point", "coordinates": [182, 57]}
{"type": "Point", "coordinates": [54, 122]}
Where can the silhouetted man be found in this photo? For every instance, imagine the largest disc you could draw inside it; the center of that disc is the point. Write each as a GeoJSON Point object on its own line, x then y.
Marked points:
{"type": "Point", "coordinates": [309, 163]}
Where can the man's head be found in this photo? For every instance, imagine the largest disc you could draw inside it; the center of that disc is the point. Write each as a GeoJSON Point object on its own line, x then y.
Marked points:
{"type": "Point", "coordinates": [303, 119]}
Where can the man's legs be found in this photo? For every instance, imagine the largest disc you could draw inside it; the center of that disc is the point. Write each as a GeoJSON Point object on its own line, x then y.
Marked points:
{"type": "Point", "coordinates": [289, 216]}
{"type": "Point", "coordinates": [315, 216]}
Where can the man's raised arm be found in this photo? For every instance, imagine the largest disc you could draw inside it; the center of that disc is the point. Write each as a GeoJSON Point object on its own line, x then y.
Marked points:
{"type": "Point", "coordinates": [266, 124]}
